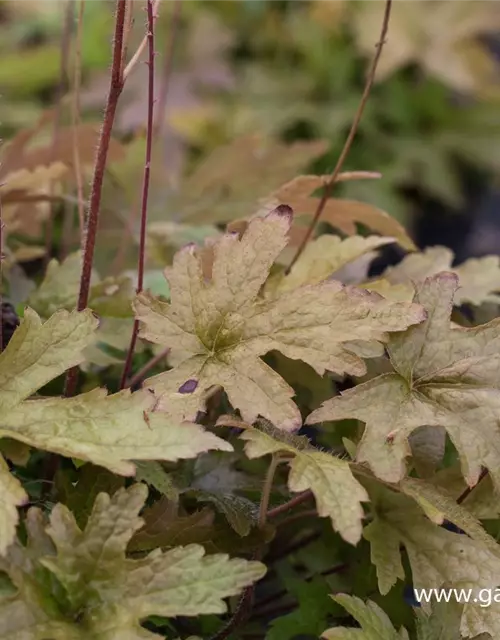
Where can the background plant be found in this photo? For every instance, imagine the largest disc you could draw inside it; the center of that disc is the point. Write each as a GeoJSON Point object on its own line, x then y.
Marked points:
{"type": "Point", "coordinates": [217, 422]}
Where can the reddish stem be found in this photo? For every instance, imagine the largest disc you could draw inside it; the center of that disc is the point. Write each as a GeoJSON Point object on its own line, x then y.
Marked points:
{"type": "Point", "coordinates": [145, 185]}
{"type": "Point", "coordinates": [283, 508]}
{"type": "Point", "coordinates": [347, 145]}
{"type": "Point", "coordinates": [115, 89]}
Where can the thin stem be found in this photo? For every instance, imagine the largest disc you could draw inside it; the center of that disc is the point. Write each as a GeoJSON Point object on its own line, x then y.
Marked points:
{"type": "Point", "coordinates": [115, 89]}
{"type": "Point", "coordinates": [145, 185]}
{"type": "Point", "coordinates": [168, 67]}
{"type": "Point", "coordinates": [347, 146]}
{"type": "Point", "coordinates": [305, 513]}
{"type": "Point", "coordinates": [245, 605]}
{"type": "Point", "coordinates": [136, 57]}
{"type": "Point", "coordinates": [266, 490]}
{"type": "Point", "coordinates": [142, 373]}
{"type": "Point", "coordinates": [465, 494]}
{"type": "Point", "coordinates": [282, 508]}
{"type": "Point", "coordinates": [76, 117]}
{"type": "Point", "coordinates": [1, 276]}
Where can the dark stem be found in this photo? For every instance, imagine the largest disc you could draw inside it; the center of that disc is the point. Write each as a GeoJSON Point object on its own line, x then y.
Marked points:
{"type": "Point", "coordinates": [282, 508]}
{"type": "Point", "coordinates": [142, 373]}
{"type": "Point", "coordinates": [245, 605]}
{"type": "Point", "coordinates": [115, 89]}
{"type": "Point", "coordinates": [465, 494]}
{"type": "Point", "coordinates": [347, 146]}
{"type": "Point", "coordinates": [145, 186]}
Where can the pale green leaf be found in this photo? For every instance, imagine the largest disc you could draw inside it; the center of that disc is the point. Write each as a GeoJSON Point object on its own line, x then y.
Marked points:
{"type": "Point", "coordinates": [442, 559]}
{"type": "Point", "coordinates": [31, 612]}
{"type": "Point", "coordinates": [16, 452]}
{"type": "Point", "coordinates": [12, 495]}
{"type": "Point", "coordinates": [443, 377]}
{"type": "Point", "coordinates": [121, 430]}
{"type": "Point", "coordinates": [152, 472]}
{"type": "Point", "coordinates": [440, 506]}
{"type": "Point", "coordinates": [385, 555]}
{"type": "Point", "coordinates": [322, 258]}
{"type": "Point", "coordinates": [375, 624]}
{"type": "Point", "coordinates": [442, 623]}
{"type": "Point", "coordinates": [218, 328]}
{"type": "Point", "coordinates": [479, 278]}
{"type": "Point", "coordinates": [337, 493]}
{"type": "Point", "coordinates": [106, 594]}
{"type": "Point", "coordinates": [59, 290]}
{"type": "Point", "coordinates": [38, 352]}
{"type": "Point", "coordinates": [109, 431]}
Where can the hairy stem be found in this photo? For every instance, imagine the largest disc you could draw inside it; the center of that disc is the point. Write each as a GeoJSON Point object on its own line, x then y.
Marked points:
{"type": "Point", "coordinates": [350, 137]}
{"type": "Point", "coordinates": [145, 185]}
{"type": "Point", "coordinates": [283, 508]}
{"type": "Point", "coordinates": [115, 89]}
{"type": "Point", "coordinates": [137, 55]}
{"type": "Point", "coordinates": [245, 604]}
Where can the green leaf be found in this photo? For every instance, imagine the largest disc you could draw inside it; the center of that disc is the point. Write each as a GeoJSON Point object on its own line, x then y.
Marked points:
{"type": "Point", "coordinates": [108, 431]}
{"type": "Point", "coordinates": [442, 623]}
{"type": "Point", "coordinates": [442, 377]}
{"type": "Point", "coordinates": [240, 512]}
{"type": "Point", "coordinates": [338, 494]}
{"type": "Point", "coordinates": [151, 472]}
{"type": "Point", "coordinates": [122, 430]}
{"type": "Point", "coordinates": [32, 612]}
{"type": "Point", "coordinates": [217, 329]}
{"type": "Point", "coordinates": [78, 491]}
{"type": "Point", "coordinates": [310, 616]}
{"type": "Point", "coordinates": [375, 624]}
{"type": "Point", "coordinates": [384, 545]}
{"type": "Point", "coordinates": [92, 566]}
{"type": "Point", "coordinates": [322, 258]}
{"type": "Point", "coordinates": [109, 297]}
{"type": "Point", "coordinates": [106, 595]}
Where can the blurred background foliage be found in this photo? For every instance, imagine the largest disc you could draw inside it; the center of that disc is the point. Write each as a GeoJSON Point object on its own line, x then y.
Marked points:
{"type": "Point", "coordinates": [247, 77]}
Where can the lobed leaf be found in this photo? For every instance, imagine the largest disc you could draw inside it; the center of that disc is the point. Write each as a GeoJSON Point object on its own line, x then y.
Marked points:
{"type": "Point", "coordinates": [218, 328]}
{"type": "Point", "coordinates": [442, 377]}
{"type": "Point", "coordinates": [337, 493]}
{"type": "Point", "coordinates": [375, 624]}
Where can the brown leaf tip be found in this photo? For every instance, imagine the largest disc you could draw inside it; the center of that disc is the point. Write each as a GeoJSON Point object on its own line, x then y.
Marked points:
{"type": "Point", "coordinates": [284, 210]}
{"type": "Point", "coordinates": [188, 387]}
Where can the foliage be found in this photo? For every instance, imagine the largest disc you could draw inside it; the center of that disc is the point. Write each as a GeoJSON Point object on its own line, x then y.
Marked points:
{"type": "Point", "coordinates": [287, 435]}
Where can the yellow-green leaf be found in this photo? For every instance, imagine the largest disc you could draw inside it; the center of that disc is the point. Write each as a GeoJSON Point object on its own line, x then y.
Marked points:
{"type": "Point", "coordinates": [337, 493]}
{"type": "Point", "coordinates": [442, 377]}
{"type": "Point", "coordinates": [218, 328]}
